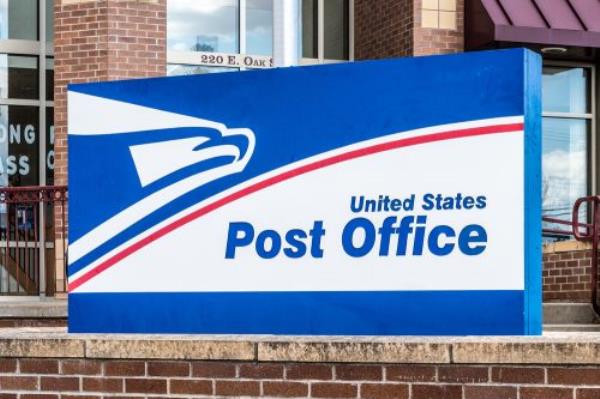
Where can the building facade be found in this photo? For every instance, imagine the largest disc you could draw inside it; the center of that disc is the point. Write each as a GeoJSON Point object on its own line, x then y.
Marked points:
{"type": "Point", "coordinates": [47, 44]}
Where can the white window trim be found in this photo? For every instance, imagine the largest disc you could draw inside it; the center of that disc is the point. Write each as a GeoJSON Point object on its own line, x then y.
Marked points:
{"type": "Point", "coordinates": [194, 58]}
{"type": "Point", "coordinates": [41, 48]}
{"type": "Point", "coordinates": [242, 26]}
{"type": "Point", "coordinates": [592, 117]}
{"type": "Point", "coordinates": [321, 36]}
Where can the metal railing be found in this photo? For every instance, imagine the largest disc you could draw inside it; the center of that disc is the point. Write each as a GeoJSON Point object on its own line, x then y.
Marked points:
{"type": "Point", "coordinates": [585, 232]}
{"type": "Point", "coordinates": [33, 240]}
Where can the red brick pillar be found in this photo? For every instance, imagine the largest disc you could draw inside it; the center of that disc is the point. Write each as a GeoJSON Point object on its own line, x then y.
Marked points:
{"type": "Point", "coordinates": [398, 28]}
{"type": "Point", "coordinates": [95, 41]}
{"type": "Point", "coordinates": [444, 37]}
{"type": "Point", "coordinates": [383, 28]}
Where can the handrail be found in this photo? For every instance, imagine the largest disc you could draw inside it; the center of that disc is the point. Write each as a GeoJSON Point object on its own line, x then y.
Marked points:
{"type": "Point", "coordinates": [32, 230]}
{"type": "Point", "coordinates": [585, 232]}
{"type": "Point", "coordinates": [33, 194]}
{"type": "Point", "coordinates": [591, 236]}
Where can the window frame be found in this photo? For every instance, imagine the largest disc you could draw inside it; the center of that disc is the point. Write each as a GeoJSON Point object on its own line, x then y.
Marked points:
{"type": "Point", "coordinates": [195, 57]}
{"type": "Point", "coordinates": [42, 49]}
{"type": "Point", "coordinates": [321, 36]}
{"type": "Point", "coordinates": [591, 117]}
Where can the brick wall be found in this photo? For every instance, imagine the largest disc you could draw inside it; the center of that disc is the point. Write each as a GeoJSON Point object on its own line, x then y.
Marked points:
{"type": "Point", "coordinates": [383, 29]}
{"type": "Point", "coordinates": [393, 28]}
{"type": "Point", "coordinates": [29, 378]}
{"type": "Point", "coordinates": [567, 273]}
{"type": "Point", "coordinates": [428, 41]}
{"type": "Point", "coordinates": [98, 41]}
{"type": "Point", "coordinates": [137, 38]}
{"type": "Point", "coordinates": [103, 40]}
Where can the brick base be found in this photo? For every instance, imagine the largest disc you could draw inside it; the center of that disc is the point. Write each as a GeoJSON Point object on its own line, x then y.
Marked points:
{"type": "Point", "coordinates": [64, 378]}
{"type": "Point", "coordinates": [26, 322]}
{"type": "Point", "coordinates": [567, 272]}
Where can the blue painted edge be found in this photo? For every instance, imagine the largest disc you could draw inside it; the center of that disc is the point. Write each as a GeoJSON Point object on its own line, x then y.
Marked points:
{"type": "Point", "coordinates": [300, 313]}
{"type": "Point", "coordinates": [533, 196]}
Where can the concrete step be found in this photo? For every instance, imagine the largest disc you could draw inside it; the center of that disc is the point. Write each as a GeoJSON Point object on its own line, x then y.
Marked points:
{"type": "Point", "coordinates": [33, 309]}
{"type": "Point", "coordinates": [569, 313]}
{"type": "Point", "coordinates": [572, 327]}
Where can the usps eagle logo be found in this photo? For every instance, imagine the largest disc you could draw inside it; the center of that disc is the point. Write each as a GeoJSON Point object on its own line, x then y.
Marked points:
{"type": "Point", "coordinates": [171, 155]}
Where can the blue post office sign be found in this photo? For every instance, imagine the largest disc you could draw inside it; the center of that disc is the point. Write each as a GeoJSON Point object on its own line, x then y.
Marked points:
{"type": "Point", "coordinates": [385, 197]}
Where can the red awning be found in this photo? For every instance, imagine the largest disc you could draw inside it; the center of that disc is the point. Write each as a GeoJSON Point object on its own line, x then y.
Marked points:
{"type": "Point", "coordinates": [570, 23]}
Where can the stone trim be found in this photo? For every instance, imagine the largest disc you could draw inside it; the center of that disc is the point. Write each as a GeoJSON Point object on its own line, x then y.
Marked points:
{"type": "Point", "coordinates": [553, 348]}
{"type": "Point", "coordinates": [565, 246]}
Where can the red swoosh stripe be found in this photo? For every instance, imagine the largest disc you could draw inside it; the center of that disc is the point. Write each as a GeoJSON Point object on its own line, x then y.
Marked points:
{"type": "Point", "coordinates": [429, 138]}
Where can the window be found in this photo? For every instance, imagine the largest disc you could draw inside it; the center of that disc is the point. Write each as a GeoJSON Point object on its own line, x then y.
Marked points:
{"type": "Point", "coordinates": [26, 92]}
{"type": "Point", "coordinates": [205, 36]}
{"type": "Point", "coordinates": [438, 14]}
{"type": "Point", "coordinates": [182, 69]}
{"type": "Point", "coordinates": [19, 77]}
{"type": "Point", "coordinates": [49, 146]}
{"type": "Point", "coordinates": [18, 19]}
{"type": "Point", "coordinates": [19, 150]}
{"type": "Point", "coordinates": [50, 78]}
{"type": "Point", "coordinates": [336, 17]}
{"type": "Point", "coordinates": [203, 25]}
{"type": "Point", "coordinates": [567, 138]}
{"type": "Point", "coordinates": [327, 33]}
{"type": "Point", "coordinates": [259, 27]}
{"type": "Point", "coordinates": [310, 35]}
